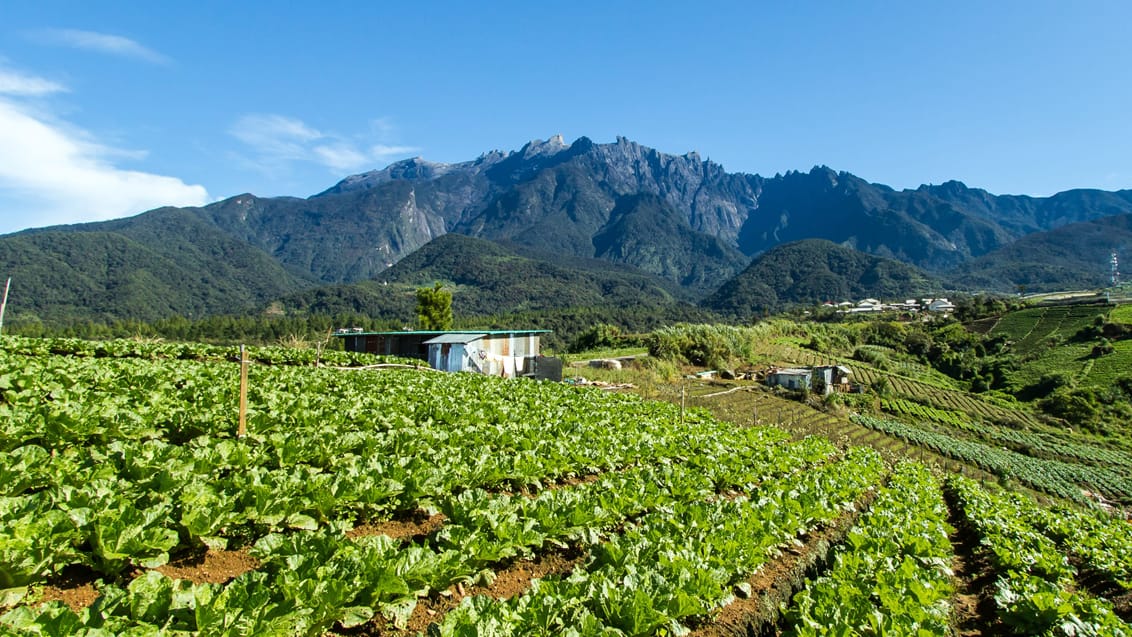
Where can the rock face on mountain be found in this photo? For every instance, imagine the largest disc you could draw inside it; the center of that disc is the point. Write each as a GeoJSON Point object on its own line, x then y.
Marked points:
{"type": "Point", "coordinates": [571, 198]}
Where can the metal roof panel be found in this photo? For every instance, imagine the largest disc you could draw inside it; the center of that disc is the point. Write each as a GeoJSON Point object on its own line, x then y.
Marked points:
{"type": "Point", "coordinates": [462, 338]}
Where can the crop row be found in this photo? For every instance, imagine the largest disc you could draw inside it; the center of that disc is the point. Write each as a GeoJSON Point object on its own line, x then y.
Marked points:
{"type": "Point", "coordinates": [676, 565]}
{"type": "Point", "coordinates": [1054, 477]}
{"type": "Point", "coordinates": [312, 580]}
{"type": "Point", "coordinates": [124, 348]}
{"type": "Point", "coordinates": [892, 575]}
{"type": "Point", "coordinates": [902, 407]}
{"type": "Point", "coordinates": [1102, 543]}
{"type": "Point", "coordinates": [1035, 588]}
{"type": "Point", "coordinates": [945, 399]}
{"type": "Point", "coordinates": [1031, 443]}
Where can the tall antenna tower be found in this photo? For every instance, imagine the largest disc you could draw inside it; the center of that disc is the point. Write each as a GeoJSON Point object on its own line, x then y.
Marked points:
{"type": "Point", "coordinates": [1115, 269]}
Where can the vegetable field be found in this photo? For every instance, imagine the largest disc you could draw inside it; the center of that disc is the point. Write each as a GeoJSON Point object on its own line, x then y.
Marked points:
{"type": "Point", "coordinates": [370, 500]}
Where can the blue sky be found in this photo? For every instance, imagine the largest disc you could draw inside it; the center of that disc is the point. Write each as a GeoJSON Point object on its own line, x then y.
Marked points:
{"type": "Point", "coordinates": [109, 109]}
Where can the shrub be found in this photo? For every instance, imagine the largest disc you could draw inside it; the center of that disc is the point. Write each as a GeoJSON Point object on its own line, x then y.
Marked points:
{"type": "Point", "coordinates": [707, 345]}
{"type": "Point", "coordinates": [871, 356]}
{"type": "Point", "coordinates": [598, 336]}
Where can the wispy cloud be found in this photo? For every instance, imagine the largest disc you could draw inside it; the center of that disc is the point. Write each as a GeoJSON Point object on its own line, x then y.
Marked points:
{"type": "Point", "coordinates": [101, 43]}
{"type": "Point", "coordinates": [55, 173]}
{"type": "Point", "coordinates": [18, 84]}
{"type": "Point", "coordinates": [276, 141]}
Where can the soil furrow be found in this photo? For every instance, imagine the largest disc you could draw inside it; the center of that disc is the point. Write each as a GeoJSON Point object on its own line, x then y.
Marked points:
{"type": "Point", "coordinates": [973, 607]}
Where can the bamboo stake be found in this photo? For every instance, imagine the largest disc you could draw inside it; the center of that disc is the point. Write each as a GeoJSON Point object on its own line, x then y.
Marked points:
{"type": "Point", "coordinates": [242, 430]}
{"type": "Point", "coordinates": [4, 304]}
{"type": "Point", "coordinates": [683, 387]}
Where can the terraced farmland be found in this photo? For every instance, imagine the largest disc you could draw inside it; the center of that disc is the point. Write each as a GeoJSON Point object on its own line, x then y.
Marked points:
{"type": "Point", "coordinates": [1045, 337]}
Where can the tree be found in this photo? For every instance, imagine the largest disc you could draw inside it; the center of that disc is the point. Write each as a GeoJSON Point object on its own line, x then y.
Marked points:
{"type": "Point", "coordinates": [434, 307]}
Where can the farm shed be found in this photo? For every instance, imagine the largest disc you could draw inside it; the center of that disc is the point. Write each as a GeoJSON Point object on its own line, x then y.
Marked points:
{"type": "Point", "coordinates": [830, 378]}
{"type": "Point", "coordinates": [506, 353]}
{"type": "Point", "coordinates": [790, 378]}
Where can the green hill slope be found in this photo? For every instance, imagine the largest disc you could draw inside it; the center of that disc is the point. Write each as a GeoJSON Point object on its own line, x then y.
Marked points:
{"type": "Point", "coordinates": [1072, 257]}
{"type": "Point", "coordinates": [813, 271]}
{"type": "Point", "coordinates": [62, 277]}
{"type": "Point", "coordinates": [490, 279]}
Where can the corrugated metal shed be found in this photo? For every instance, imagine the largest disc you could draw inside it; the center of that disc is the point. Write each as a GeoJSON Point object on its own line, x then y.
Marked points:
{"type": "Point", "coordinates": [506, 353]}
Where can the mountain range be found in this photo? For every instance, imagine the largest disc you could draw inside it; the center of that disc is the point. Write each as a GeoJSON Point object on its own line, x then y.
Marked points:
{"type": "Point", "coordinates": [559, 225]}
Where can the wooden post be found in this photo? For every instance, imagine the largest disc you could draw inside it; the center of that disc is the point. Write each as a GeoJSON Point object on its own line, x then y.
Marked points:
{"type": "Point", "coordinates": [242, 430]}
{"type": "Point", "coordinates": [683, 387]}
{"type": "Point", "coordinates": [4, 304]}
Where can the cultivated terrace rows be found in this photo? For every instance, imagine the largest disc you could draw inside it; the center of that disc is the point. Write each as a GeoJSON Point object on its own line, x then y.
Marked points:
{"type": "Point", "coordinates": [379, 501]}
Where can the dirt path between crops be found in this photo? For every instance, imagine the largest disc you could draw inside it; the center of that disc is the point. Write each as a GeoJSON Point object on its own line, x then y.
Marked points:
{"type": "Point", "coordinates": [973, 607]}
{"type": "Point", "coordinates": [1103, 585]}
{"type": "Point", "coordinates": [776, 583]}
{"type": "Point", "coordinates": [513, 580]}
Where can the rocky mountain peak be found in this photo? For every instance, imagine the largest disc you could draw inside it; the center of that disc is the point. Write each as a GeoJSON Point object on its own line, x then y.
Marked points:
{"type": "Point", "coordinates": [539, 148]}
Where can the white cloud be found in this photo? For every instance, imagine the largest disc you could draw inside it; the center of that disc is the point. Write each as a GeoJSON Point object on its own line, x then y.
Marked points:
{"type": "Point", "coordinates": [340, 156]}
{"type": "Point", "coordinates": [19, 84]}
{"type": "Point", "coordinates": [101, 43]}
{"type": "Point", "coordinates": [275, 135]}
{"type": "Point", "coordinates": [51, 174]}
{"type": "Point", "coordinates": [381, 150]}
{"type": "Point", "coordinates": [276, 141]}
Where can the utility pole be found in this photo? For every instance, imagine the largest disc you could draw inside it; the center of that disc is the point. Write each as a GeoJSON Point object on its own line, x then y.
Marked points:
{"type": "Point", "coordinates": [4, 304]}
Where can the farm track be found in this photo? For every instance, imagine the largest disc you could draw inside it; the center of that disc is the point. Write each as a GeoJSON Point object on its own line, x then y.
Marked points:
{"type": "Point", "coordinates": [414, 526]}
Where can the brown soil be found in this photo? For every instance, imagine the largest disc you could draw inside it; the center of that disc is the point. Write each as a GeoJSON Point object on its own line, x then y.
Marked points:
{"type": "Point", "coordinates": [414, 525]}
{"type": "Point", "coordinates": [779, 579]}
{"type": "Point", "coordinates": [973, 608]}
{"type": "Point", "coordinates": [509, 582]}
{"type": "Point", "coordinates": [209, 566]}
{"type": "Point", "coordinates": [1102, 585]}
{"type": "Point", "coordinates": [575, 481]}
{"type": "Point", "coordinates": [1122, 605]}
{"type": "Point", "coordinates": [74, 587]}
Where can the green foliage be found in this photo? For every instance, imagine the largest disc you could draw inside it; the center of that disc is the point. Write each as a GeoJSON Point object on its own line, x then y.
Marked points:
{"type": "Point", "coordinates": [677, 511]}
{"type": "Point", "coordinates": [600, 336]}
{"type": "Point", "coordinates": [1036, 582]}
{"type": "Point", "coordinates": [171, 264]}
{"type": "Point", "coordinates": [434, 308]}
{"type": "Point", "coordinates": [871, 355]}
{"type": "Point", "coordinates": [892, 575]}
{"type": "Point", "coordinates": [311, 467]}
{"type": "Point", "coordinates": [714, 346]}
{"type": "Point", "coordinates": [812, 271]}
